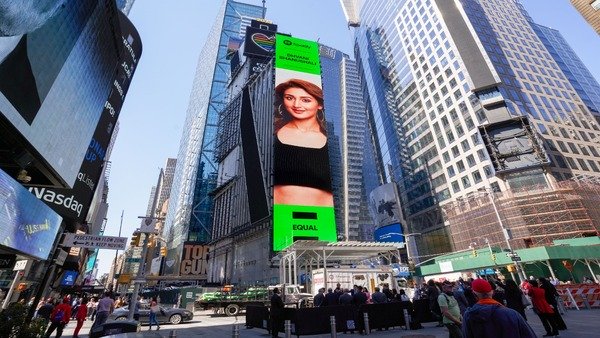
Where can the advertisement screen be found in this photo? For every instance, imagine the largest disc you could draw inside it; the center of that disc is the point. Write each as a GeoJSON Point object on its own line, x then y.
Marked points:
{"type": "Point", "coordinates": [69, 278]}
{"type": "Point", "coordinates": [75, 202]}
{"type": "Point", "coordinates": [26, 223]}
{"type": "Point", "coordinates": [194, 260]}
{"type": "Point", "coordinates": [302, 193]}
{"type": "Point", "coordinates": [389, 233]}
{"type": "Point", "coordinates": [383, 202]}
{"type": "Point", "coordinates": [259, 42]}
{"type": "Point", "coordinates": [56, 69]}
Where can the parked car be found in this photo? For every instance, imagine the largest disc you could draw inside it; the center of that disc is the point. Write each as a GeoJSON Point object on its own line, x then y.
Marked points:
{"type": "Point", "coordinates": [166, 315]}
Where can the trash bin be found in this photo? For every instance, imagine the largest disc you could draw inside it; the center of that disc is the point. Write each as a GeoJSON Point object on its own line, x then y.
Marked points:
{"type": "Point", "coordinates": [115, 327]}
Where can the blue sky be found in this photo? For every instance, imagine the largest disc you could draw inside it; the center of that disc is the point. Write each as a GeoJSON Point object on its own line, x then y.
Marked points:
{"type": "Point", "coordinates": [173, 32]}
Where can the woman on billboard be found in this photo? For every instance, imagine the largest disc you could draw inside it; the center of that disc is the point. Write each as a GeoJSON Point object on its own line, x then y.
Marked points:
{"type": "Point", "coordinates": [301, 164]}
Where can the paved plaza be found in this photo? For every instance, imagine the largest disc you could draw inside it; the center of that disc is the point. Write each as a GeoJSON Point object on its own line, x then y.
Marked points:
{"type": "Point", "coordinates": [581, 324]}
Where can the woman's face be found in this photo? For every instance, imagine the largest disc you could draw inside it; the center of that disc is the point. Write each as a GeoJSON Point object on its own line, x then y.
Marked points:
{"type": "Point", "coordinates": [300, 104]}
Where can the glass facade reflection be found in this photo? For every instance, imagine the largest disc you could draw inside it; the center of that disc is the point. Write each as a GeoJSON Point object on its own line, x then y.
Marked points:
{"type": "Point", "coordinates": [189, 217]}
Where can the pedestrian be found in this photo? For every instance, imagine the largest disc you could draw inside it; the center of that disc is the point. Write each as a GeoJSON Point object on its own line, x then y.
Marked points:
{"type": "Point", "coordinates": [459, 295]}
{"type": "Point", "coordinates": [489, 318]}
{"type": "Point", "coordinates": [38, 307]}
{"type": "Point", "coordinates": [378, 297]}
{"type": "Point", "coordinates": [331, 298]}
{"type": "Point", "coordinates": [515, 298]}
{"type": "Point", "coordinates": [60, 316]}
{"type": "Point", "coordinates": [319, 299]}
{"type": "Point", "coordinates": [552, 297]}
{"type": "Point", "coordinates": [105, 307]}
{"type": "Point", "coordinates": [154, 310]}
{"type": "Point", "coordinates": [359, 297]}
{"type": "Point", "coordinates": [276, 313]}
{"type": "Point", "coordinates": [46, 310]}
{"type": "Point", "coordinates": [81, 315]}
{"type": "Point", "coordinates": [136, 309]}
{"type": "Point", "coordinates": [432, 295]}
{"type": "Point", "coordinates": [542, 308]}
{"type": "Point", "coordinates": [346, 298]}
{"type": "Point", "coordinates": [450, 310]}
{"type": "Point", "coordinates": [402, 297]}
{"type": "Point", "coordinates": [91, 305]}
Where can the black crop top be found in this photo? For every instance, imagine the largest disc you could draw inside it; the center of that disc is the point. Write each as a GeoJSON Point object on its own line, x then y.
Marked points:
{"type": "Point", "coordinates": [294, 165]}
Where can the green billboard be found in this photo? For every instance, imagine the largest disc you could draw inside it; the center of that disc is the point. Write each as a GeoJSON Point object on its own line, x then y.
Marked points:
{"type": "Point", "coordinates": [302, 193]}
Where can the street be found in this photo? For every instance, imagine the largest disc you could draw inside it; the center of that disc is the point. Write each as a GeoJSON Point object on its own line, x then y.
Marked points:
{"type": "Point", "coordinates": [581, 324]}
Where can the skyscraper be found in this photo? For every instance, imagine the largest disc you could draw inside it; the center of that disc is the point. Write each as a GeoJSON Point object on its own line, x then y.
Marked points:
{"type": "Point", "coordinates": [462, 96]}
{"type": "Point", "coordinates": [577, 73]}
{"type": "Point", "coordinates": [190, 209]}
{"type": "Point", "coordinates": [590, 10]}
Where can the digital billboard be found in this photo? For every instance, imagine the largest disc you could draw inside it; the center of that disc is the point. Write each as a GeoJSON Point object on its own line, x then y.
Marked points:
{"type": "Point", "coordinates": [74, 203]}
{"type": "Point", "coordinates": [69, 277]}
{"type": "Point", "coordinates": [384, 205]}
{"type": "Point", "coordinates": [26, 223]}
{"type": "Point", "coordinates": [57, 61]}
{"type": "Point", "coordinates": [259, 42]}
{"type": "Point", "coordinates": [389, 233]}
{"type": "Point", "coordinates": [302, 192]}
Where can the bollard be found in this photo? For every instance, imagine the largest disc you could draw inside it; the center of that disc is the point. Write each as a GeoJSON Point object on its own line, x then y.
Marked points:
{"type": "Point", "coordinates": [173, 334]}
{"type": "Point", "coordinates": [236, 331]}
{"type": "Point", "coordinates": [406, 319]}
{"type": "Point", "coordinates": [333, 327]}
{"type": "Point", "coordinates": [366, 319]}
{"type": "Point", "coordinates": [288, 328]}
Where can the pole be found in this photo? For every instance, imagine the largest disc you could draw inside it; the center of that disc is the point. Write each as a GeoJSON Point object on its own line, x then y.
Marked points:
{"type": "Point", "coordinates": [366, 320]}
{"type": "Point", "coordinates": [137, 281]}
{"type": "Point", "coordinates": [587, 262]}
{"type": "Point", "coordinates": [333, 326]}
{"type": "Point", "coordinates": [288, 328]}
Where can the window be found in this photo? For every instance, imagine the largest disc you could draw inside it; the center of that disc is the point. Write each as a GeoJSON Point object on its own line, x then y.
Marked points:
{"type": "Point", "coordinates": [455, 151]}
{"type": "Point", "coordinates": [481, 155]}
{"type": "Point", "coordinates": [477, 176]}
{"type": "Point", "coordinates": [471, 160]}
{"type": "Point", "coordinates": [465, 181]}
{"type": "Point", "coordinates": [465, 145]}
{"type": "Point", "coordinates": [451, 171]}
{"type": "Point", "coordinates": [455, 186]}
{"type": "Point", "coordinates": [460, 165]}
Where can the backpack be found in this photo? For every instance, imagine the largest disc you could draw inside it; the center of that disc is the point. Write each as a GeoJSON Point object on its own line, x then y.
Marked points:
{"type": "Point", "coordinates": [58, 317]}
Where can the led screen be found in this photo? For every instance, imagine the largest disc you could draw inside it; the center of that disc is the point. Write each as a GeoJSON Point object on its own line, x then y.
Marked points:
{"type": "Point", "coordinates": [56, 69]}
{"type": "Point", "coordinates": [69, 278]}
{"type": "Point", "coordinates": [26, 223]}
{"type": "Point", "coordinates": [302, 192]}
{"type": "Point", "coordinates": [389, 233]}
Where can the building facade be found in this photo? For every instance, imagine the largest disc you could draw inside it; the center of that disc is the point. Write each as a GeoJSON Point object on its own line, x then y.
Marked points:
{"type": "Point", "coordinates": [590, 10]}
{"type": "Point", "coordinates": [463, 96]}
{"type": "Point", "coordinates": [189, 217]}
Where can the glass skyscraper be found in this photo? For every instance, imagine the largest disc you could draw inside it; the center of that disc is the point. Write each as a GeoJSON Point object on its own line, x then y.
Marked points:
{"type": "Point", "coordinates": [438, 76]}
{"type": "Point", "coordinates": [189, 217]}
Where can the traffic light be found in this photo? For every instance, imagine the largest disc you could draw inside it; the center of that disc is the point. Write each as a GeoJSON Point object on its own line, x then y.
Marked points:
{"type": "Point", "coordinates": [510, 268]}
{"type": "Point", "coordinates": [474, 253]}
{"type": "Point", "coordinates": [163, 251]}
{"type": "Point", "coordinates": [135, 239]}
{"type": "Point", "coordinates": [494, 257]}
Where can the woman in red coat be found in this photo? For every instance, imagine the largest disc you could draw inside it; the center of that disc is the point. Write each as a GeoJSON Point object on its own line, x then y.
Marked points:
{"type": "Point", "coordinates": [542, 308]}
{"type": "Point", "coordinates": [80, 316]}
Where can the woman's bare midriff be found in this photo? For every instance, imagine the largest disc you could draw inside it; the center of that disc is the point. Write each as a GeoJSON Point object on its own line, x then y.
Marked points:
{"type": "Point", "coordinates": [299, 195]}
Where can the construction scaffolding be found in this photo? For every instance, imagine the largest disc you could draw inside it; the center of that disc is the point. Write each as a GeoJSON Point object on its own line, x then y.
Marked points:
{"type": "Point", "coordinates": [528, 218]}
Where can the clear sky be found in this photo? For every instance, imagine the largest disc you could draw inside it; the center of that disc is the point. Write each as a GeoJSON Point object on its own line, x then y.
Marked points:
{"type": "Point", "coordinates": [173, 32]}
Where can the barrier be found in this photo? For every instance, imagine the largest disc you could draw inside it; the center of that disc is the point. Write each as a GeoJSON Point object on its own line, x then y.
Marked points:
{"type": "Point", "coordinates": [579, 295]}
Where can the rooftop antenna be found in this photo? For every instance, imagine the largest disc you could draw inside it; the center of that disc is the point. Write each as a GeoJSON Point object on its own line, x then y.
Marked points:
{"type": "Point", "coordinates": [264, 11]}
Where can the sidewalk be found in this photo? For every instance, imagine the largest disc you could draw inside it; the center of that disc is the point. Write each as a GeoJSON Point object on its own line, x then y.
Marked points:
{"type": "Point", "coordinates": [581, 324]}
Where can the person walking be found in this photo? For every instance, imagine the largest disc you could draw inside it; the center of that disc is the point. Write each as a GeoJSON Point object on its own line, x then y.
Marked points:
{"type": "Point", "coordinates": [105, 307]}
{"type": "Point", "coordinates": [432, 295]}
{"type": "Point", "coordinates": [515, 298]}
{"type": "Point", "coordinates": [46, 310]}
{"type": "Point", "coordinates": [80, 316]}
{"type": "Point", "coordinates": [542, 308]}
{"type": "Point", "coordinates": [488, 318]}
{"type": "Point", "coordinates": [552, 297]}
{"type": "Point", "coordinates": [276, 313]}
{"type": "Point", "coordinates": [154, 310]}
{"type": "Point", "coordinates": [59, 318]}
{"type": "Point", "coordinates": [450, 310]}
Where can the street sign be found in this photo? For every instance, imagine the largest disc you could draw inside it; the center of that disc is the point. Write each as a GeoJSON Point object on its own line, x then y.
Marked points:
{"type": "Point", "coordinates": [95, 242]}
{"type": "Point", "coordinates": [20, 265]}
{"type": "Point", "coordinates": [515, 258]}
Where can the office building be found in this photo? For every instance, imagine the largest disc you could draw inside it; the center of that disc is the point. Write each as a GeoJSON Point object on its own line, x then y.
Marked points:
{"type": "Point", "coordinates": [189, 217]}
{"type": "Point", "coordinates": [463, 97]}
{"type": "Point", "coordinates": [571, 65]}
{"type": "Point", "coordinates": [590, 10]}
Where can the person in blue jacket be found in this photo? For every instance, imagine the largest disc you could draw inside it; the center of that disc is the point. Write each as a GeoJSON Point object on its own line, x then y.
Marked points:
{"type": "Point", "coordinates": [488, 318]}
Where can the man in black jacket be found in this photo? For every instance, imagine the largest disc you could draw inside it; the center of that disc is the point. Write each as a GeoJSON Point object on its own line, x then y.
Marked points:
{"type": "Point", "coordinates": [319, 299]}
{"type": "Point", "coordinates": [276, 313]}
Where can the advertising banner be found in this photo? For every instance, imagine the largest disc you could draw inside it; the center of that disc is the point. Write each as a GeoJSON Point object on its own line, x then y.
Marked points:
{"type": "Point", "coordinates": [383, 202]}
{"type": "Point", "coordinates": [74, 203]}
{"type": "Point", "coordinates": [302, 193]}
{"type": "Point", "coordinates": [389, 233]}
{"type": "Point", "coordinates": [56, 69]}
{"type": "Point", "coordinates": [259, 42]}
{"type": "Point", "coordinates": [26, 223]}
{"type": "Point", "coordinates": [194, 260]}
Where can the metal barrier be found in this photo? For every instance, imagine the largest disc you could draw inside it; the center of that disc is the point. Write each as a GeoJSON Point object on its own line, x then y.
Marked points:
{"type": "Point", "coordinates": [288, 328]}
{"type": "Point", "coordinates": [235, 333]}
{"type": "Point", "coordinates": [579, 295]}
{"type": "Point", "coordinates": [366, 319]}
{"type": "Point", "coordinates": [333, 327]}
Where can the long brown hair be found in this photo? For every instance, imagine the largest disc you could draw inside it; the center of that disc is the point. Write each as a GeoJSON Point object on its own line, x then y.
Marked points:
{"type": "Point", "coordinates": [282, 116]}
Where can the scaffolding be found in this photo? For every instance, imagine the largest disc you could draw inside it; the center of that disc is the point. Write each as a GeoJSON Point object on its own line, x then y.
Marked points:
{"type": "Point", "coordinates": [529, 218]}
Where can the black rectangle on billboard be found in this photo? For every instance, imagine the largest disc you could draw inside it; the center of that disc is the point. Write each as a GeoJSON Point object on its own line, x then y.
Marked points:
{"type": "Point", "coordinates": [264, 25]}
{"type": "Point", "coordinates": [259, 43]}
